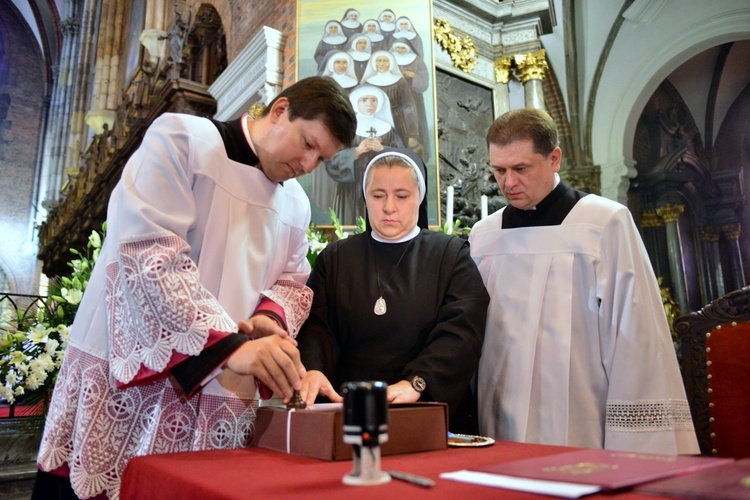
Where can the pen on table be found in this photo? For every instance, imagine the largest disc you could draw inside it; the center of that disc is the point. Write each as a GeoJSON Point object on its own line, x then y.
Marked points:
{"type": "Point", "coordinates": [412, 478]}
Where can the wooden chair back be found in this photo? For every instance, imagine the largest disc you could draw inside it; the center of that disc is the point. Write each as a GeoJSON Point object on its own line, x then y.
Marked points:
{"type": "Point", "coordinates": [715, 364]}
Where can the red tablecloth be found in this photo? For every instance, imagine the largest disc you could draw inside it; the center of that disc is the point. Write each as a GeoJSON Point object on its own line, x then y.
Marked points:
{"type": "Point", "coordinates": [260, 473]}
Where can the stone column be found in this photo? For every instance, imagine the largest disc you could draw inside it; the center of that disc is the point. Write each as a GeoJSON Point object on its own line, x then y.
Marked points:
{"type": "Point", "coordinates": [85, 60]}
{"type": "Point", "coordinates": [154, 15]}
{"type": "Point", "coordinates": [107, 64]}
{"type": "Point", "coordinates": [502, 77]}
{"type": "Point", "coordinates": [732, 237]}
{"type": "Point", "coordinates": [671, 214]}
{"type": "Point", "coordinates": [532, 69]}
{"type": "Point", "coordinates": [59, 125]}
{"type": "Point", "coordinates": [709, 261]}
{"type": "Point", "coordinates": [651, 224]}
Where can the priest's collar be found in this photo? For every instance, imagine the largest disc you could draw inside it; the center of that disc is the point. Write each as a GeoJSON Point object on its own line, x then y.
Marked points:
{"type": "Point", "coordinates": [245, 130]}
{"type": "Point", "coordinates": [236, 142]}
{"type": "Point", "coordinates": [551, 211]}
{"type": "Point", "coordinates": [553, 196]}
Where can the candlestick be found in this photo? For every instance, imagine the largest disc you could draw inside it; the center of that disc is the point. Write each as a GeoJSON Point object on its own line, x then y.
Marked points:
{"type": "Point", "coordinates": [449, 210]}
{"type": "Point", "coordinates": [484, 206]}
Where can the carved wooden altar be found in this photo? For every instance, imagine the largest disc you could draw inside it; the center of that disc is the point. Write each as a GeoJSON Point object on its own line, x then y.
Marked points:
{"type": "Point", "coordinates": [176, 83]}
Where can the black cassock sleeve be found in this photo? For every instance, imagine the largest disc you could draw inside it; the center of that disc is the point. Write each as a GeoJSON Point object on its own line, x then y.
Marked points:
{"type": "Point", "coordinates": [318, 348]}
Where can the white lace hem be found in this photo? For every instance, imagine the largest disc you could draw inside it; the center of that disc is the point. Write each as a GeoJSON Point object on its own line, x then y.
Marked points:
{"type": "Point", "coordinates": [96, 429]}
{"type": "Point", "coordinates": [648, 415]}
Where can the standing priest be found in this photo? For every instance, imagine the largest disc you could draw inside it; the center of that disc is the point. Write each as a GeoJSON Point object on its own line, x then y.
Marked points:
{"type": "Point", "coordinates": [577, 349]}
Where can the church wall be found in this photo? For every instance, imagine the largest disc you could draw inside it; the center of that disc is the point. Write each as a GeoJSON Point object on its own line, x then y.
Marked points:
{"type": "Point", "coordinates": [21, 97]}
{"type": "Point", "coordinates": [249, 17]}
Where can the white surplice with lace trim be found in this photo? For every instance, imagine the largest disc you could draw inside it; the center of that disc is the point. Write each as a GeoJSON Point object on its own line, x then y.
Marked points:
{"type": "Point", "coordinates": [577, 350]}
{"type": "Point", "coordinates": [194, 241]}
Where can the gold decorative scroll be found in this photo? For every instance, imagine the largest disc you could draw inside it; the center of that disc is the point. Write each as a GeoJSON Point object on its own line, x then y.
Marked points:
{"type": "Point", "coordinates": [502, 69]}
{"type": "Point", "coordinates": [532, 66]}
{"type": "Point", "coordinates": [462, 50]}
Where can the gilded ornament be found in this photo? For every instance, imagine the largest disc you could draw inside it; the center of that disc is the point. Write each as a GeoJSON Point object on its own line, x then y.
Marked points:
{"type": "Point", "coordinates": [709, 233]}
{"type": "Point", "coordinates": [732, 232]}
{"type": "Point", "coordinates": [502, 69]}
{"type": "Point", "coordinates": [256, 109]}
{"type": "Point", "coordinates": [462, 50]}
{"type": "Point", "coordinates": [649, 219]}
{"type": "Point", "coordinates": [532, 66]}
{"type": "Point", "coordinates": [670, 213]}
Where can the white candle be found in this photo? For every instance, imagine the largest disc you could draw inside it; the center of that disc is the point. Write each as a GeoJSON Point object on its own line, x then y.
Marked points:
{"type": "Point", "coordinates": [449, 210]}
{"type": "Point", "coordinates": [484, 206]}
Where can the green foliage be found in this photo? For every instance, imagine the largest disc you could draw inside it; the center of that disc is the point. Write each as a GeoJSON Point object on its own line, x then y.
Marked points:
{"type": "Point", "coordinates": [318, 239]}
{"type": "Point", "coordinates": [458, 228]}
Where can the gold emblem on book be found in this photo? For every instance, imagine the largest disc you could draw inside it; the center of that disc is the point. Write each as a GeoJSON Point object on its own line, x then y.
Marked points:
{"type": "Point", "coordinates": [581, 468]}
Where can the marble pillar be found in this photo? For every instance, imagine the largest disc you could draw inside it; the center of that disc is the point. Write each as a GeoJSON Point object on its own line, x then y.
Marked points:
{"type": "Point", "coordinates": [502, 93]}
{"type": "Point", "coordinates": [532, 69]}
{"type": "Point", "coordinates": [732, 245]}
{"type": "Point", "coordinates": [671, 214]}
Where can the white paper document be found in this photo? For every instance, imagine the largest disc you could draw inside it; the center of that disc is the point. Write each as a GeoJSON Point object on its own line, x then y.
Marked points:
{"type": "Point", "coordinates": [553, 488]}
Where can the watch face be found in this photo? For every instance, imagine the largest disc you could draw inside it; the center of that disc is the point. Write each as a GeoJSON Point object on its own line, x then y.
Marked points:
{"type": "Point", "coordinates": [418, 384]}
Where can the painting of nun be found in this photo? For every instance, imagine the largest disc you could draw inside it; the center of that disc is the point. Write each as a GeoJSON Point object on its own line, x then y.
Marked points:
{"type": "Point", "coordinates": [379, 55]}
{"type": "Point", "coordinates": [360, 48]}
{"type": "Point", "coordinates": [339, 65]}
{"type": "Point", "coordinates": [384, 72]}
{"type": "Point", "coordinates": [351, 23]}
{"type": "Point", "coordinates": [333, 39]}
{"type": "Point", "coordinates": [405, 31]}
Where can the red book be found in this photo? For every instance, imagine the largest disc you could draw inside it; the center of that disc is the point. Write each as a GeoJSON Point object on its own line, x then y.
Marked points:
{"type": "Point", "coordinates": [608, 469]}
{"type": "Point", "coordinates": [728, 482]}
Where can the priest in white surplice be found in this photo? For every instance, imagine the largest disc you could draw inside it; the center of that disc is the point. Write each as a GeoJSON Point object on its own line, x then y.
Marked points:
{"type": "Point", "coordinates": [206, 228]}
{"type": "Point", "coordinates": [577, 349]}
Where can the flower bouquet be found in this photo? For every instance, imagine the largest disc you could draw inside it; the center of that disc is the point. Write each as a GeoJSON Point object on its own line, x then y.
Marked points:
{"type": "Point", "coordinates": [33, 341]}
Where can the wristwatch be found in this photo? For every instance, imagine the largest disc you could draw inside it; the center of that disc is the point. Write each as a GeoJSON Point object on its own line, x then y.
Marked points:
{"type": "Point", "coordinates": [418, 384]}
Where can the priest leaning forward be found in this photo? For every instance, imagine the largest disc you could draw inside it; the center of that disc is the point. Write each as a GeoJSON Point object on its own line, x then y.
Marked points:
{"type": "Point", "coordinates": [577, 350]}
{"type": "Point", "coordinates": [398, 303]}
{"type": "Point", "coordinates": [206, 229]}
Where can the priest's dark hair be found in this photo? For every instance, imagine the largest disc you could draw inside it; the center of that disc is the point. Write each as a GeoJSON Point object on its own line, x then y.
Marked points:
{"type": "Point", "coordinates": [320, 98]}
{"type": "Point", "coordinates": [525, 124]}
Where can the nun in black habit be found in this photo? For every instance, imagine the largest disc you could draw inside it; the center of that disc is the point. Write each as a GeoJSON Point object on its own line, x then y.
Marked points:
{"type": "Point", "coordinates": [398, 303]}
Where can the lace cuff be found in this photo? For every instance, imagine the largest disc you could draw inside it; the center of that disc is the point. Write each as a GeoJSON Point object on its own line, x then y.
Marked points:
{"type": "Point", "coordinates": [156, 305]}
{"type": "Point", "coordinates": [648, 415]}
{"type": "Point", "coordinates": [296, 299]}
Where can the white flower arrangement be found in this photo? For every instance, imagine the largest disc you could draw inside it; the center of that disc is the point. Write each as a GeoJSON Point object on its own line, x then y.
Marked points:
{"type": "Point", "coordinates": [32, 344]}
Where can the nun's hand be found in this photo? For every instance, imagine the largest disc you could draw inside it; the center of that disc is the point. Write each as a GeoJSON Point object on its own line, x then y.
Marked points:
{"type": "Point", "coordinates": [402, 392]}
{"type": "Point", "coordinates": [314, 383]}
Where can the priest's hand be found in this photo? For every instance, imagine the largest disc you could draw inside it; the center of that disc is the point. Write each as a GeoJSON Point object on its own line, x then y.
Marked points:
{"type": "Point", "coordinates": [273, 359]}
{"type": "Point", "coordinates": [262, 325]}
{"type": "Point", "coordinates": [315, 383]}
{"type": "Point", "coordinates": [402, 392]}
